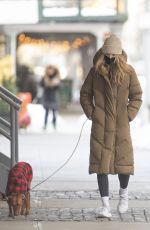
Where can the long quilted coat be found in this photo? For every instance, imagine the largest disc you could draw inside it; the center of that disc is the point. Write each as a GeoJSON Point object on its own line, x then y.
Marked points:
{"type": "Point", "coordinates": [19, 178]}
{"type": "Point", "coordinates": [111, 108]}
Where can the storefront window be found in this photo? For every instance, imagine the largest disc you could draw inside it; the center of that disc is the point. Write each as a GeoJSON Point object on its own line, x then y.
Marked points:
{"type": "Point", "coordinates": [55, 8]}
{"type": "Point", "coordinates": [82, 10]}
{"type": "Point", "coordinates": [122, 6]}
{"type": "Point", "coordinates": [18, 12]}
{"type": "Point", "coordinates": [98, 8]}
{"type": "Point", "coordinates": [147, 5]}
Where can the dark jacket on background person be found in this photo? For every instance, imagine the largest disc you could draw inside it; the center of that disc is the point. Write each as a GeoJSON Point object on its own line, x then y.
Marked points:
{"type": "Point", "coordinates": [26, 80]}
{"type": "Point", "coordinates": [50, 95]}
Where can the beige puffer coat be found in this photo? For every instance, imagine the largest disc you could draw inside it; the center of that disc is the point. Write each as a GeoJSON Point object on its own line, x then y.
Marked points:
{"type": "Point", "coordinates": [111, 108]}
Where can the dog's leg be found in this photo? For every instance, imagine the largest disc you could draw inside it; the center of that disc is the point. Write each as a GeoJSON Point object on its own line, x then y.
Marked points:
{"type": "Point", "coordinates": [27, 203]}
{"type": "Point", "coordinates": [9, 206]}
{"type": "Point", "coordinates": [11, 211]}
{"type": "Point", "coordinates": [23, 209]}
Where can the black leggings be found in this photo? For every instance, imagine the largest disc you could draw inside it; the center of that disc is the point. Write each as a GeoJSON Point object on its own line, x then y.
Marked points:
{"type": "Point", "coordinates": [46, 116]}
{"type": "Point", "coordinates": [103, 183]}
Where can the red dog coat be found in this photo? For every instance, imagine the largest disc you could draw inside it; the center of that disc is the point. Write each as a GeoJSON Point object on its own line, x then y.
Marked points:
{"type": "Point", "coordinates": [19, 178]}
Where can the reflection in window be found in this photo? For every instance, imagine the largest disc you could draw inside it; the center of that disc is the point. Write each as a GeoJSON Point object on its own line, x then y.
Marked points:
{"type": "Point", "coordinates": [98, 7]}
{"type": "Point", "coordinates": [147, 5]}
{"type": "Point", "coordinates": [83, 8]}
{"type": "Point", "coordinates": [55, 8]}
{"type": "Point", "coordinates": [122, 6]}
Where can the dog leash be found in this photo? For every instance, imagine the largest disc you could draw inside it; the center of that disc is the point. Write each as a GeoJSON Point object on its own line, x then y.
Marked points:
{"type": "Point", "coordinates": [66, 162]}
{"type": "Point", "coordinates": [61, 167]}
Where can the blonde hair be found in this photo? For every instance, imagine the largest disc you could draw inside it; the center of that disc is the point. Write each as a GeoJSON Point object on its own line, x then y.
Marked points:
{"type": "Point", "coordinates": [116, 72]}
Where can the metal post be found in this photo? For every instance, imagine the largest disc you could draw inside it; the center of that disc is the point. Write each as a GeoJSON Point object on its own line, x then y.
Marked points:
{"type": "Point", "coordinates": [13, 51]}
{"type": "Point", "coordinates": [16, 136]}
{"type": "Point", "coordinates": [79, 7]}
{"type": "Point", "coordinates": [13, 136]}
{"type": "Point", "coordinates": [117, 6]}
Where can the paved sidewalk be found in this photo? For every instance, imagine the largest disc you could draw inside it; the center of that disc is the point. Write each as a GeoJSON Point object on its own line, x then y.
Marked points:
{"type": "Point", "coordinates": [81, 206]}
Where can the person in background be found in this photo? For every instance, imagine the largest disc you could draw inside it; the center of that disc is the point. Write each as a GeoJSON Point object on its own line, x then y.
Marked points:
{"type": "Point", "coordinates": [111, 98]}
{"type": "Point", "coordinates": [50, 83]}
{"type": "Point", "coordinates": [26, 81]}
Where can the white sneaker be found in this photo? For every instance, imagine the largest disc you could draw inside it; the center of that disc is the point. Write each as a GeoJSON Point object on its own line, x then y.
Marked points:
{"type": "Point", "coordinates": [104, 211]}
{"type": "Point", "coordinates": [123, 202]}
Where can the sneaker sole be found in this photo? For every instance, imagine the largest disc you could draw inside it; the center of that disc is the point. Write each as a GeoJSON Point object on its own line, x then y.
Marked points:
{"type": "Point", "coordinates": [102, 216]}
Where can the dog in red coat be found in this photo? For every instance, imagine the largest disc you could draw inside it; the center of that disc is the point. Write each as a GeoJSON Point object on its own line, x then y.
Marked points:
{"type": "Point", "coordinates": [18, 189]}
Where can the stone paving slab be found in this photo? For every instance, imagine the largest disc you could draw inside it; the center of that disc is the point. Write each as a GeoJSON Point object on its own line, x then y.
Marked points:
{"type": "Point", "coordinates": [43, 210]}
{"type": "Point", "coordinates": [95, 225]}
{"type": "Point", "coordinates": [79, 215]}
{"type": "Point", "coordinates": [91, 195]}
{"type": "Point", "coordinates": [23, 225]}
{"type": "Point", "coordinates": [5, 225]}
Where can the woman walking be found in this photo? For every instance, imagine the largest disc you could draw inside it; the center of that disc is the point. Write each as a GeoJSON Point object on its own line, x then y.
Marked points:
{"type": "Point", "coordinates": [50, 82]}
{"type": "Point", "coordinates": [111, 98]}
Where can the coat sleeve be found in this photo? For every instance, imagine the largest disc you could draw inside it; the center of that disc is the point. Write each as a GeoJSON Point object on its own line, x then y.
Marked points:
{"type": "Point", "coordinates": [86, 95]}
{"type": "Point", "coordinates": [135, 95]}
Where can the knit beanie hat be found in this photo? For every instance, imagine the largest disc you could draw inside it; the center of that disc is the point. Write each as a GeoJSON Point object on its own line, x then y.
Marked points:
{"type": "Point", "coordinates": [112, 45]}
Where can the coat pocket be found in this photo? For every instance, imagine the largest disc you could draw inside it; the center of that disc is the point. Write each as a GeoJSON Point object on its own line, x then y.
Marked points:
{"type": "Point", "coordinates": [124, 154]}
